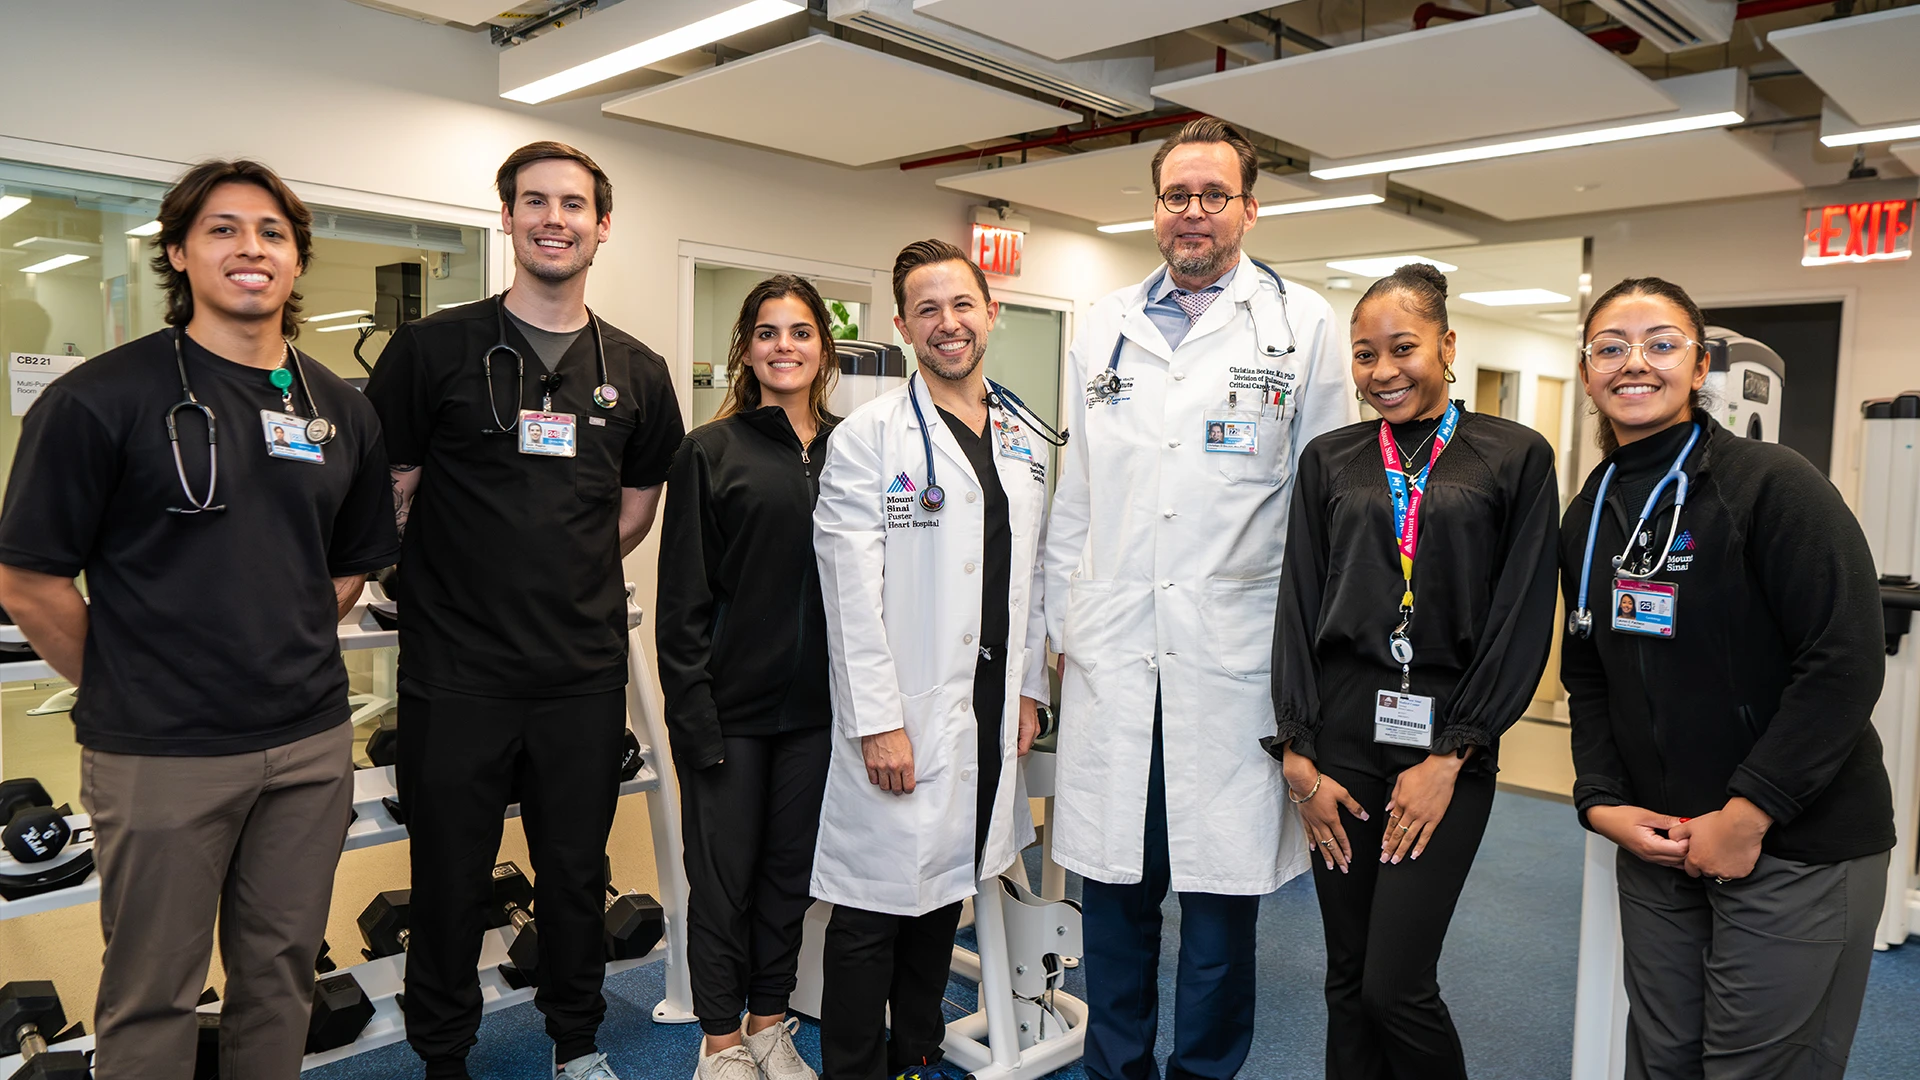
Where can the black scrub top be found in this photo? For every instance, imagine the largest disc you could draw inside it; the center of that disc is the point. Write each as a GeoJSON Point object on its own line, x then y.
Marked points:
{"type": "Point", "coordinates": [511, 583]}
{"type": "Point", "coordinates": [1484, 578]}
{"type": "Point", "coordinates": [997, 585]}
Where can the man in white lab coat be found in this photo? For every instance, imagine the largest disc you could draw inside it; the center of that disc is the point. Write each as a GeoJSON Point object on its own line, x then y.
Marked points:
{"type": "Point", "coordinates": [1197, 390]}
{"type": "Point", "coordinates": [932, 615]}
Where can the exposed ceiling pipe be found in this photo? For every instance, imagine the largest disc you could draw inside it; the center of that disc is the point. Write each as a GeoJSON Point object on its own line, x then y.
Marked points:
{"type": "Point", "coordinates": [1058, 138]}
{"type": "Point", "coordinates": [1623, 39]}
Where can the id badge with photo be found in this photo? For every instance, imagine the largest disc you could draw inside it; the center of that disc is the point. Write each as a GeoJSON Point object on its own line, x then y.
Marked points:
{"type": "Point", "coordinates": [1403, 719]}
{"type": "Point", "coordinates": [1644, 607]}
{"type": "Point", "coordinates": [1013, 441]}
{"type": "Point", "coordinates": [286, 436]}
{"type": "Point", "coordinates": [546, 434]}
{"type": "Point", "coordinates": [1231, 432]}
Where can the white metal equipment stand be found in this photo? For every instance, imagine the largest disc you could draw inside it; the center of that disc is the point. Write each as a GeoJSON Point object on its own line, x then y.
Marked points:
{"type": "Point", "coordinates": [382, 979]}
{"type": "Point", "coordinates": [1890, 515]}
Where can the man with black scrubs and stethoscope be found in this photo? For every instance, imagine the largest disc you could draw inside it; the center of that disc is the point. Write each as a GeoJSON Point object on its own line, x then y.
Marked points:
{"type": "Point", "coordinates": [927, 529]}
{"type": "Point", "coordinates": [529, 442]}
{"type": "Point", "coordinates": [1196, 391]}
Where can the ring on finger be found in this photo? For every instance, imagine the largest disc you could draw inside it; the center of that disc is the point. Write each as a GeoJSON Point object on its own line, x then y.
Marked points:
{"type": "Point", "coordinates": [1405, 827]}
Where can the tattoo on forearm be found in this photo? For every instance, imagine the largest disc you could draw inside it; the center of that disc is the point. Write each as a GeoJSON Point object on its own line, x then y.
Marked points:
{"type": "Point", "coordinates": [402, 502]}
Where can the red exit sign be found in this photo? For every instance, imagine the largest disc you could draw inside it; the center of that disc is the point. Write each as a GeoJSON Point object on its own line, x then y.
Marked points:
{"type": "Point", "coordinates": [1876, 231]}
{"type": "Point", "coordinates": [997, 249]}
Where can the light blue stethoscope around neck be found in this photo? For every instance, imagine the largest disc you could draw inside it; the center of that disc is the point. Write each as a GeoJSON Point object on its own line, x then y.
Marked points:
{"type": "Point", "coordinates": [1107, 382]}
{"type": "Point", "coordinates": [1580, 622]}
{"type": "Point", "coordinates": [932, 498]}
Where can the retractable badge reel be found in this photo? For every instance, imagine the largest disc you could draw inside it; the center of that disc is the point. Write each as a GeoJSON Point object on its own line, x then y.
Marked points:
{"type": "Point", "coordinates": [289, 435]}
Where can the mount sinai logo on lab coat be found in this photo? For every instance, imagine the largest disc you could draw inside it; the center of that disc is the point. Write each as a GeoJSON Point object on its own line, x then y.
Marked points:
{"type": "Point", "coordinates": [902, 484]}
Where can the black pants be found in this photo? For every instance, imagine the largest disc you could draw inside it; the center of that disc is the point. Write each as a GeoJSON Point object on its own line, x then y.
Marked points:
{"type": "Point", "coordinates": [872, 960]}
{"type": "Point", "coordinates": [749, 824]}
{"type": "Point", "coordinates": [1385, 924]}
{"type": "Point", "coordinates": [458, 758]}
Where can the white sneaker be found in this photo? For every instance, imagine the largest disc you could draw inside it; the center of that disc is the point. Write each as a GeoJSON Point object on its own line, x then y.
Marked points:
{"type": "Point", "coordinates": [733, 1063]}
{"type": "Point", "coordinates": [778, 1058]}
{"type": "Point", "coordinates": [590, 1067]}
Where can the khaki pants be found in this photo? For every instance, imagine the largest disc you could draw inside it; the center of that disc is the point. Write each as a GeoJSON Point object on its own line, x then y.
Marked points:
{"type": "Point", "coordinates": [254, 837]}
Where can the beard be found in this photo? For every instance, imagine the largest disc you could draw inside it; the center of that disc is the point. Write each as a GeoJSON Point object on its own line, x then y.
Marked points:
{"type": "Point", "coordinates": [958, 369]}
{"type": "Point", "coordinates": [555, 272]}
{"type": "Point", "coordinates": [1201, 265]}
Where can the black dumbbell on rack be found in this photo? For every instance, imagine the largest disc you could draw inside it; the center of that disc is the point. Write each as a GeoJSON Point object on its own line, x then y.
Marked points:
{"type": "Point", "coordinates": [634, 923]}
{"type": "Point", "coordinates": [513, 900]}
{"type": "Point", "coordinates": [386, 923]}
{"type": "Point", "coordinates": [30, 1018]}
{"type": "Point", "coordinates": [34, 833]}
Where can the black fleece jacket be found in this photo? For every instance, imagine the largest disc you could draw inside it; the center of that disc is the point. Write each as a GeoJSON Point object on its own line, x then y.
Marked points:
{"type": "Point", "coordinates": [740, 628]}
{"type": "Point", "coordinates": [1766, 690]}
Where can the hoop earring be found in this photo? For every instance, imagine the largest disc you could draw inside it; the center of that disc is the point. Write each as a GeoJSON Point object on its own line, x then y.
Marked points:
{"type": "Point", "coordinates": [1450, 375]}
{"type": "Point", "coordinates": [1359, 395]}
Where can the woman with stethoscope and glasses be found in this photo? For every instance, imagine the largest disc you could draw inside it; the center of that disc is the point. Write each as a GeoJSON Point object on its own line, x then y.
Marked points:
{"type": "Point", "coordinates": [1722, 658]}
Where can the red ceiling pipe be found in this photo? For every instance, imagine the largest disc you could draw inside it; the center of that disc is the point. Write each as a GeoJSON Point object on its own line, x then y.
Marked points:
{"type": "Point", "coordinates": [1058, 138]}
{"type": "Point", "coordinates": [1430, 11]}
{"type": "Point", "coordinates": [1620, 39]}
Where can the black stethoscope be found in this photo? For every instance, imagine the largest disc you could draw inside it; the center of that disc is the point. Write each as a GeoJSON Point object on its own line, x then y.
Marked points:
{"type": "Point", "coordinates": [1107, 382]}
{"type": "Point", "coordinates": [932, 498]}
{"type": "Point", "coordinates": [320, 430]}
{"type": "Point", "coordinates": [1580, 623]}
{"type": "Point", "coordinates": [605, 395]}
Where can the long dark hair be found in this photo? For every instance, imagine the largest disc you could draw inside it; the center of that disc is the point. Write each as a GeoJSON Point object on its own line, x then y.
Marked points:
{"type": "Point", "coordinates": [182, 205]}
{"type": "Point", "coordinates": [743, 388]}
{"type": "Point", "coordinates": [1666, 290]}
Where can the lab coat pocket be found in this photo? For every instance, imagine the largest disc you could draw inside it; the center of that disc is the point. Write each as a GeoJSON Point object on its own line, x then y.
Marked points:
{"type": "Point", "coordinates": [596, 463]}
{"type": "Point", "coordinates": [1089, 621]}
{"type": "Point", "coordinates": [925, 724]}
{"type": "Point", "coordinates": [1272, 462]}
{"type": "Point", "coordinates": [1238, 618]}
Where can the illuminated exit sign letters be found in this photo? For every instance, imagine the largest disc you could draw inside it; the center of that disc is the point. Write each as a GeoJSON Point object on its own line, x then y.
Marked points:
{"type": "Point", "coordinates": [1877, 231]}
{"type": "Point", "coordinates": [997, 249]}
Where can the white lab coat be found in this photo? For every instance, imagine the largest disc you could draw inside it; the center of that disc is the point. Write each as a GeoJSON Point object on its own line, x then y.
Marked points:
{"type": "Point", "coordinates": [1162, 572]}
{"type": "Point", "coordinates": [902, 591]}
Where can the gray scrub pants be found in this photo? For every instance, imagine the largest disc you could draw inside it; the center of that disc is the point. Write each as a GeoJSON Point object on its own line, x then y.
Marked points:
{"type": "Point", "coordinates": [1758, 979]}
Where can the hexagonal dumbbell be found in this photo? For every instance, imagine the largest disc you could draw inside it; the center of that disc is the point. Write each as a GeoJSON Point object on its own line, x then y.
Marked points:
{"type": "Point", "coordinates": [634, 924]}
{"type": "Point", "coordinates": [385, 923]}
{"type": "Point", "coordinates": [513, 897]}
{"type": "Point", "coordinates": [30, 1015]}
{"type": "Point", "coordinates": [341, 1012]}
{"type": "Point", "coordinates": [20, 793]}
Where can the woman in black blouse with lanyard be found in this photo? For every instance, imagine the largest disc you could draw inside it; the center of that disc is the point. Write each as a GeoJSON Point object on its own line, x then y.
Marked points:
{"type": "Point", "coordinates": [1414, 619]}
{"type": "Point", "coordinates": [1723, 657]}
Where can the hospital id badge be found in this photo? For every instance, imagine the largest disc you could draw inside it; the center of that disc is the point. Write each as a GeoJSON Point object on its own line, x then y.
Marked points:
{"type": "Point", "coordinates": [547, 434]}
{"type": "Point", "coordinates": [1013, 441]}
{"type": "Point", "coordinates": [1644, 607]}
{"type": "Point", "coordinates": [1232, 433]}
{"type": "Point", "coordinates": [1403, 719]}
{"type": "Point", "coordinates": [287, 438]}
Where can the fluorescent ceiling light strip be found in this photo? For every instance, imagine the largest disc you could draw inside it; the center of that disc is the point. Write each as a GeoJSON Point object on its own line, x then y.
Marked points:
{"type": "Point", "coordinates": [341, 326]}
{"type": "Point", "coordinates": [1432, 158]}
{"type": "Point", "coordinates": [1303, 206]}
{"type": "Point", "coordinates": [1515, 297]}
{"type": "Point", "coordinates": [1907, 130]}
{"type": "Point", "coordinates": [1831, 260]}
{"type": "Point", "coordinates": [672, 43]}
{"type": "Point", "coordinates": [151, 228]}
{"type": "Point", "coordinates": [1382, 265]}
{"type": "Point", "coordinates": [336, 315]}
{"type": "Point", "coordinates": [11, 203]}
{"type": "Point", "coordinates": [54, 263]}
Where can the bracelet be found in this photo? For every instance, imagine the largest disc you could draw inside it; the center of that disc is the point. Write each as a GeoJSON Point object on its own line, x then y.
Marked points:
{"type": "Point", "coordinates": [1309, 795]}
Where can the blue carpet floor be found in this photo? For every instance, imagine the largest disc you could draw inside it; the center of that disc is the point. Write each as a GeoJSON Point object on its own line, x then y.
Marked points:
{"type": "Point", "coordinates": [1508, 977]}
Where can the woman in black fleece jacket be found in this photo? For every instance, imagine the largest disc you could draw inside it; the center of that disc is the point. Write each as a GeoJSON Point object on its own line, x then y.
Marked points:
{"type": "Point", "coordinates": [742, 640]}
{"type": "Point", "coordinates": [1722, 734]}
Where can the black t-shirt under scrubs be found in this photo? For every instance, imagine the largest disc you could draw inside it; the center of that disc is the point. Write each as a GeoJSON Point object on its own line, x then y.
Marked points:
{"type": "Point", "coordinates": [209, 633]}
{"type": "Point", "coordinates": [510, 581]}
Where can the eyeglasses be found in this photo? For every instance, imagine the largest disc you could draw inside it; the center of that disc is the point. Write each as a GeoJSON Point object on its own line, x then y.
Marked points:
{"type": "Point", "coordinates": [1663, 352]}
{"type": "Point", "coordinates": [1211, 201]}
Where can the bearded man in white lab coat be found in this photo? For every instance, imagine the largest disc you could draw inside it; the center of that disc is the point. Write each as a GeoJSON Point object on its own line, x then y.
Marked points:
{"type": "Point", "coordinates": [931, 601]}
{"type": "Point", "coordinates": [1162, 571]}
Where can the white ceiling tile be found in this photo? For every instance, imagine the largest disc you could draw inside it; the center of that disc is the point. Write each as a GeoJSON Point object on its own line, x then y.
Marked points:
{"type": "Point", "coordinates": [755, 101]}
{"type": "Point", "coordinates": [1095, 185]}
{"type": "Point", "coordinates": [1909, 154]}
{"type": "Point", "coordinates": [1869, 64]}
{"type": "Point", "coordinates": [1513, 72]}
{"type": "Point", "coordinates": [464, 12]}
{"type": "Point", "coordinates": [1059, 29]}
{"type": "Point", "coordinates": [1687, 167]}
{"type": "Point", "coordinates": [1365, 230]}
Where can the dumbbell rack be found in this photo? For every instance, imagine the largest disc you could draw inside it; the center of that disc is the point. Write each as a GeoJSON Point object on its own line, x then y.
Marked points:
{"type": "Point", "coordinates": [382, 979]}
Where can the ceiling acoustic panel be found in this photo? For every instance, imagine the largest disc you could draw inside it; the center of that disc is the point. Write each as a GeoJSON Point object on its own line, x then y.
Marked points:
{"type": "Point", "coordinates": [1868, 64]}
{"type": "Point", "coordinates": [1503, 74]}
{"type": "Point", "coordinates": [1365, 230]}
{"type": "Point", "coordinates": [1688, 167]}
{"type": "Point", "coordinates": [1058, 29]}
{"type": "Point", "coordinates": [755, 101]}
{"type": "Point", "coordinates": [1102, 186]}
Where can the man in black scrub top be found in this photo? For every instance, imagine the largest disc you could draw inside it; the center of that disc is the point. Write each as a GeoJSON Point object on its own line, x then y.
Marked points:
{"type": "Point", "coordinates": [513, 634]}
{"type": "Point", "coordinates": [216, 753]}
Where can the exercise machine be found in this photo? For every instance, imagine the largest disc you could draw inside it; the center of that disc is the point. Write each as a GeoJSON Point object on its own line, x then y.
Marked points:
{"type": "Point", "coordinates": [1890, 516]}
{"type": "Point", "coordinates": [1744, 381]}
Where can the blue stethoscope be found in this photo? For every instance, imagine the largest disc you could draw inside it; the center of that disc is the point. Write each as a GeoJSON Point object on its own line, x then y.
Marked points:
{"type": "Point", "coordinates": [1107, 383]}
{"type": "Point", "coordinates": [1580, 623]}
{"type": "Point", "coordinates": [932, 498]}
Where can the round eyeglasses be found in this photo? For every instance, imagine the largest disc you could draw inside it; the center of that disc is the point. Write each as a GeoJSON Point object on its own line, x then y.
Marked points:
{"type": "Point", "coordinates": [1663, 352]}
{"type": "Point", "coordinates": [1212, 202]}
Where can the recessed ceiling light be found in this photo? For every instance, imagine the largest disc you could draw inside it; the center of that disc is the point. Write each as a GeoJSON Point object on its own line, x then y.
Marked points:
{"type": "Point", "coordinates": [1127, 226]}
{"type": "Point", "coordinates": [54, 263]}
{"type": "Point", "coordinates": [1560, 316]}
{"type": "Point", "coordinates": [10, 203]}
{"type": "Point", "coordinates": [1131, 190]}
{"type": "Point", "coordinates": [336, 315]}
{"type": "Point", "coordinates": [578, 55]}
{"type": "Point", "coordinates": [151, 228]}
{"type": "Point", "coordinates": [1370, 194]}
{"type": "Point", "coordinates": [341, 326]}
{"type": "Point", "coordinates": [1516, 297]}
{"type": "Point", "coordinates": [1382, 265]}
